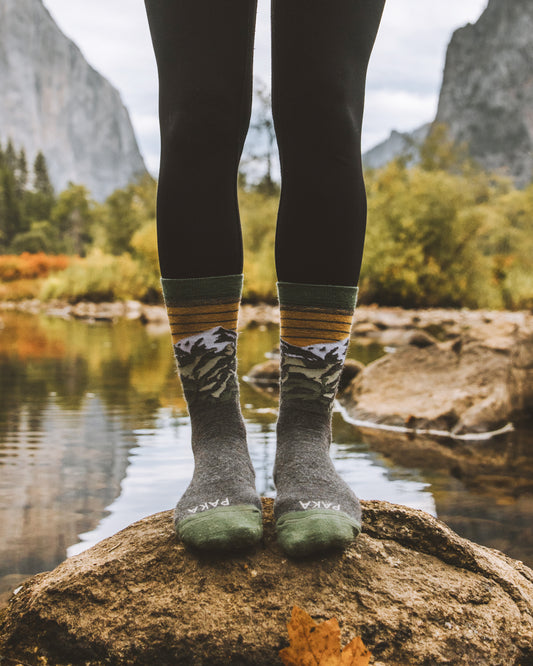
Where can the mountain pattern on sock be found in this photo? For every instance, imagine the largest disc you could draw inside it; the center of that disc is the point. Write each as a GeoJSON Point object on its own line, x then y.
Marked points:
{"type": "Point", "coordinates": [220, 510]}
{"type": "Point", "coordinates": [315, 510]}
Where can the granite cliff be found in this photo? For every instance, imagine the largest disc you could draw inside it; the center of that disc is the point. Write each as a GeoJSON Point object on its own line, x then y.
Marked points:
{"type": "Point", "coordinates": [486, 97]}
{"type": "Point", "coordinates": [53, 100]}
{"type": "Point", "coordinates": [487, 90]}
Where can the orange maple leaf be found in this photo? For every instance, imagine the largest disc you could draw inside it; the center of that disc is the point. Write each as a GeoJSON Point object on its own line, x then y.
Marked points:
{"type": "Point", "coordinates": [313, 644]}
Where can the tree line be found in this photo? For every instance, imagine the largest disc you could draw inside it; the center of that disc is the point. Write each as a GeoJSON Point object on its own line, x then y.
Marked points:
{"type": "Point", "coordinates": [34, 218]}
{"type": "Point", "coordinates": [440, 232]}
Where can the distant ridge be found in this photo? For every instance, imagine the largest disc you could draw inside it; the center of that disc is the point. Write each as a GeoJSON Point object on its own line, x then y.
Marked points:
{"type": "Point", "coordinates": [53, 100]}
{"type": "Point", "coordinates": [398, 143]}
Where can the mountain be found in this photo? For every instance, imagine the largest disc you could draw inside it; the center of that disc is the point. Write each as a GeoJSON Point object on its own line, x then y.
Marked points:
{"type": "Point", "coordinates": [486, 97]}
{"type": "Point", "coordinates": [53, 100]}
{"type": "Point", "coordinates": [398, 143]}
{"type": "Point", "coordinates": [487, 91]}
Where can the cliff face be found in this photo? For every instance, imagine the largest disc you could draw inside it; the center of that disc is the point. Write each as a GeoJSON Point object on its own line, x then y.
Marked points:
{"type": "Point", "coordinates": [53, 100]}
{"type": "Point", "coordinates": [487, 91]}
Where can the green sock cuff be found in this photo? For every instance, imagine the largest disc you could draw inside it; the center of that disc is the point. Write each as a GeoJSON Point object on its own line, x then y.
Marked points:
{"type": "Point", "coordinates": [185, 290]}
{"type": "Point", "coordinates": [317, 295]}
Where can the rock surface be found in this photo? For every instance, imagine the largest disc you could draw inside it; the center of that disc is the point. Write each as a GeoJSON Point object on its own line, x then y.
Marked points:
{"type": "Point", "coordinates": [487, 91]}
{"type": "Point", "coordinates": [415, 591]}
{"type": "Point", "coordinates": [460, 387]}
{"type": "Point", "coordinates": [53, 100]}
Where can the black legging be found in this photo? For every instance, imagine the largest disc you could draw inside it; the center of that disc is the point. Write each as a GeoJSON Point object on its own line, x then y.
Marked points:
{"type": "Point", "coordinates": [320, 53]}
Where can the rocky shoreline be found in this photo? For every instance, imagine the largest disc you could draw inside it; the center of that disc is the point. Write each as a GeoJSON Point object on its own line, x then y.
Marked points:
{"type": "Point", "coordinates": [260, 314]}
{"type": "Point", "coordinates": [384, 325]}
{"type": "Point", "coordinates": [453, 373]}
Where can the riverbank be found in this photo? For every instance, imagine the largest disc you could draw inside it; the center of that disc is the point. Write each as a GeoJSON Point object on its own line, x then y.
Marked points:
{"type": "Point", "coordinates": [389, 326]}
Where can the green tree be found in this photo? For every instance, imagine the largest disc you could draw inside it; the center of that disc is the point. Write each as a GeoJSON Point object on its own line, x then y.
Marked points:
{"type": "Point", "coordinates": [40, 200]}
{"type": "Point", "coordinates": [439, 152]}
{"type": "Point", "coordinates": [21, 172]}
{"type": "Point", "coordinates": [123, 213]}
{"type": "Point", "coordinates": [72, 219]}
{"type": "Point", "coordinates": [10, 156]}
{"type": "Point", "coordinates": [422, 245]}
{"type": "Point", "coordinates": [10, 209]}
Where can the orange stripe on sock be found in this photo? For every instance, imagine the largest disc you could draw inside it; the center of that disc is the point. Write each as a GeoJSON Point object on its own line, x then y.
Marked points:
{"type": "Point", "coordinates": [304, 342]}
{"type": "Point", "coordinates": [203, 326]}
{"type": "Point", "coordinates": [188, 320]}
{"type": "Point", "coordinates": [313, 336]}
{"type": "Point", "coordinates": [308, 326]}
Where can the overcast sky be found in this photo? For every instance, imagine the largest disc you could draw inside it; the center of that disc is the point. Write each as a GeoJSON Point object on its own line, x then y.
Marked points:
{"type": "Point", "coordinates": [403, 81]}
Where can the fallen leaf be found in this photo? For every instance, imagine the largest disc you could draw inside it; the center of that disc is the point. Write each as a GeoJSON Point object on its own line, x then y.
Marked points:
{"type": "Point", "coordinates": [355, 654]}
{"type": "Point", "coordinates": [313, 644]}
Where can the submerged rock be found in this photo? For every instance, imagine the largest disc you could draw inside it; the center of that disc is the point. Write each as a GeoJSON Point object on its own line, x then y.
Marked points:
{"type": "Point", "coordinates": [415, 591]}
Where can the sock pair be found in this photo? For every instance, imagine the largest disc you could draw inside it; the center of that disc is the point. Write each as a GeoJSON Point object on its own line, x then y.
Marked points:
{"type": "Point", "coordinates": [314, 509]}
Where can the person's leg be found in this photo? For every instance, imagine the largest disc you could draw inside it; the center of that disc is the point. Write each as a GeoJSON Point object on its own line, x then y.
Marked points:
{"type": "Point", "coordinates": [320, 53]}
{"type": "Point", "coordinates": [204, 52]}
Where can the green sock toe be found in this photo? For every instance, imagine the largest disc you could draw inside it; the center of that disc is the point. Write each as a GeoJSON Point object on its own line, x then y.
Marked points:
{"type": "Point", "coordinates": [223, 528]}
{"type": "Point", "coordinates": [302, 533]}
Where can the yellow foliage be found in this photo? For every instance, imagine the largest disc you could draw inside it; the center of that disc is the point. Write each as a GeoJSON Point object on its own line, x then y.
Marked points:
{"type": "Point", "coordinates": [258, 218]}
{"type": "Point", "coordinates": [101, 277]}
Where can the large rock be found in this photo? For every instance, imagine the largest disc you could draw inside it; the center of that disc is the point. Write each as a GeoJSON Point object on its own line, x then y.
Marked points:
{"type": "Point", "coordinates": [53, 100]}
{"type": "Point", "coordinates": [487, 90]}
{"type": "Point", "coordinates": [415, 591]}
{"type": "Point", "coordinates": [464, 386]}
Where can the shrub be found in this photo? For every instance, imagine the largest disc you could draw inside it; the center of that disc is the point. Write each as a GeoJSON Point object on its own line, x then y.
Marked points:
{"type": "Point", "coordinates": [30, 266]}
{"type": "Point", "coordinates": [101, 277]}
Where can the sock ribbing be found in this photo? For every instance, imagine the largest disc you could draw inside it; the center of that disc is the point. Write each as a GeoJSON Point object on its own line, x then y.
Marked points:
{"type": "Point", "coordinates": [312, 314]}
{"type": "Point", "coordinates": [195, 305]}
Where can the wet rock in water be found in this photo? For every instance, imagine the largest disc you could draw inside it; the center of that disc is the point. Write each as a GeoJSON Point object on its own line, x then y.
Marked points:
{"type": "Point", "coordinates": [265, 376]}
{"type": "Point", "coordinates": [422, 339]}
{"type": "Point", "coordinates": [460, 386]}
{"type": "Point", "coordinates": [415, 591]}
{"type": "Point", "coordinates": [521, 376]}
{"type": "Point", "coordinates": [349, 372]}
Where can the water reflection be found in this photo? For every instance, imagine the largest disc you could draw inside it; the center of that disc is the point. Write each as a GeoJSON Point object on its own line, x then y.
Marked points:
{"type": "Point", "coordinates": [94, 435]}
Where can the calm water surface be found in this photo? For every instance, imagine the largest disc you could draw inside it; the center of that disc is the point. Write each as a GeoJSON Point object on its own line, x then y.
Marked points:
{"type": "Point", "coordinates": [94, 434]}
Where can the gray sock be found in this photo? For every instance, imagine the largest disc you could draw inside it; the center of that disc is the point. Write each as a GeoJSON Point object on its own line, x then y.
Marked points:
{"type": "Point", "coordinates": [220, 510]}
{"type": "Point", "coordinates": [315, 510]}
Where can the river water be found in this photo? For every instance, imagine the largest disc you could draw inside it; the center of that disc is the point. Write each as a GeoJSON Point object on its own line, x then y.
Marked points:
{"type": "Point", "coordinates": [94, 434]}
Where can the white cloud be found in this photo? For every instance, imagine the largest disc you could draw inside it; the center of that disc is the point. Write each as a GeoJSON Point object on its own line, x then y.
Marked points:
{"type": "Point", "coordinates": [410, 109]}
